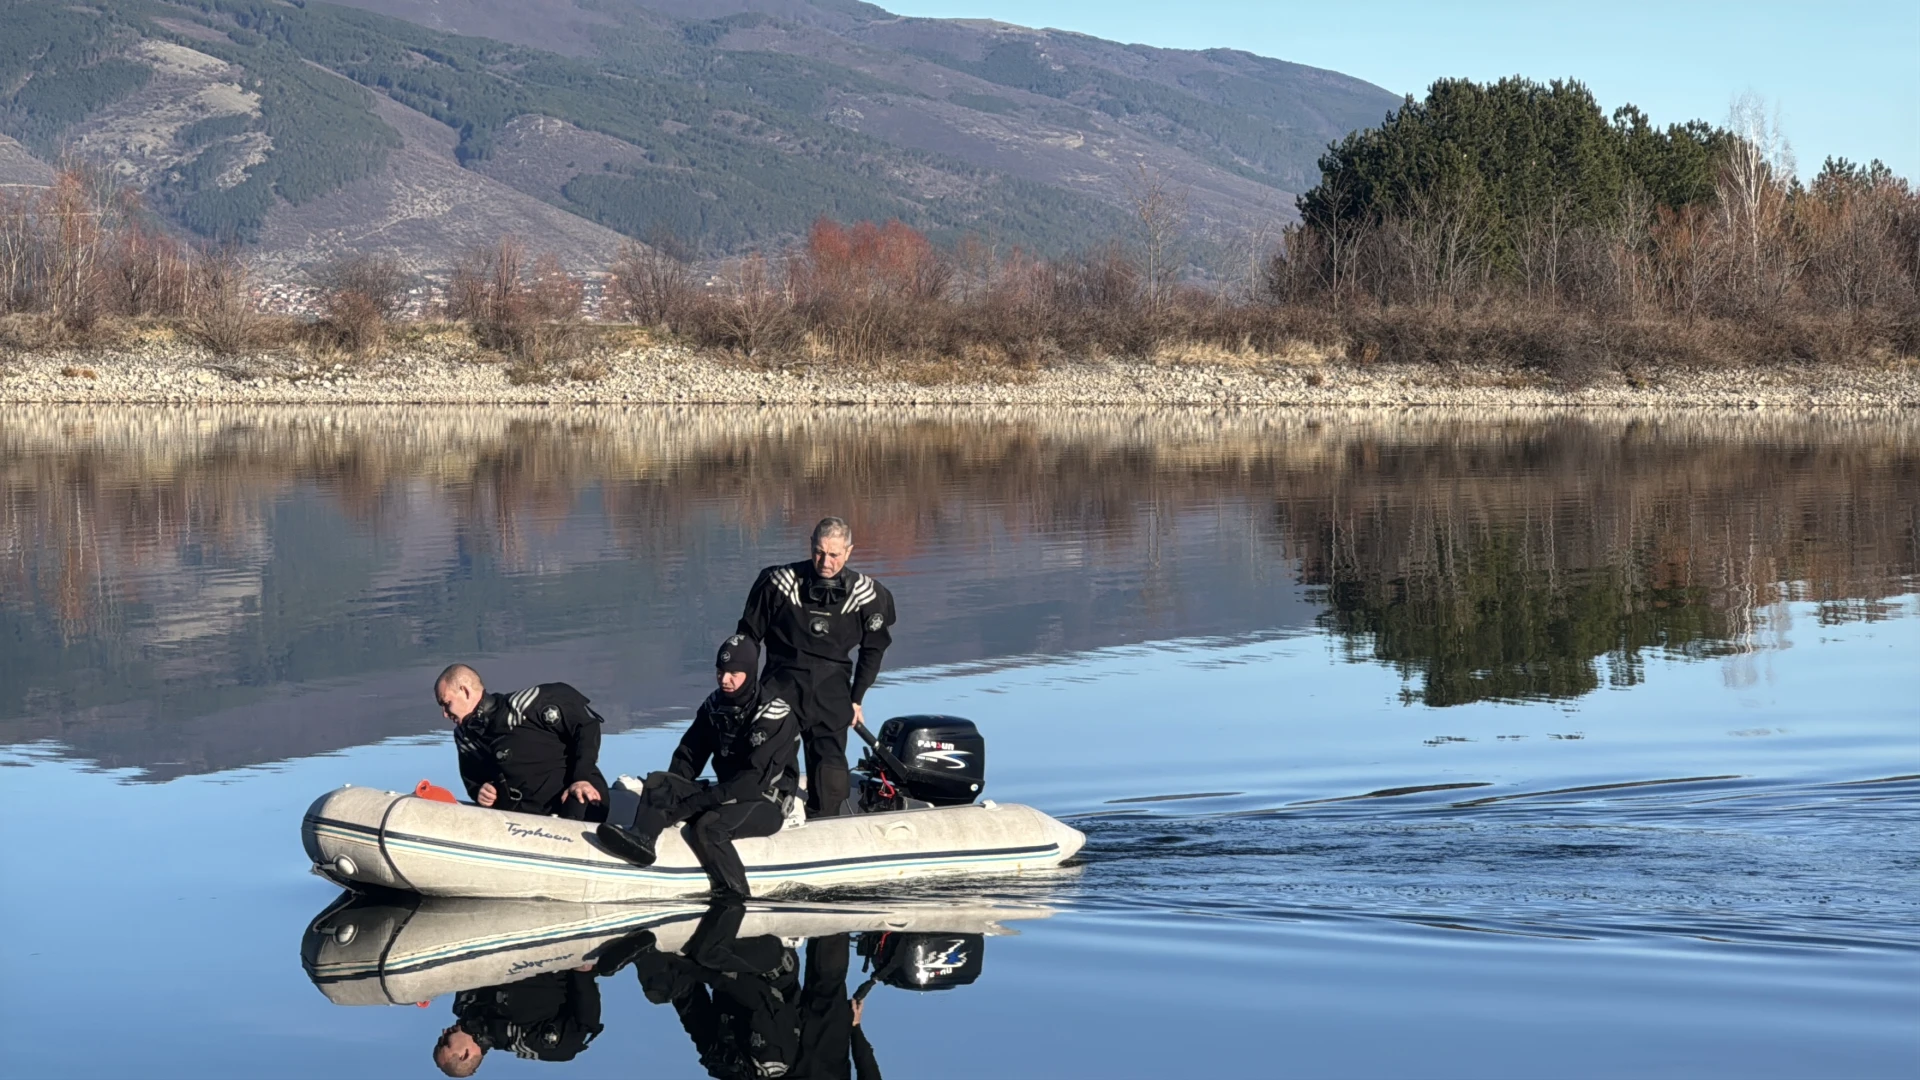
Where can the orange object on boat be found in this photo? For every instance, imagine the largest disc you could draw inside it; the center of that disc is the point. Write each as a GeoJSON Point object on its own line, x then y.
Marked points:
{"type": "Point", "coordinates": [427, 789]}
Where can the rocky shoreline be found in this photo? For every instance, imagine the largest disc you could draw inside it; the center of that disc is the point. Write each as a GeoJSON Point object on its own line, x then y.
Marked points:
{"type": "Point", "coordinates": [668, 374]}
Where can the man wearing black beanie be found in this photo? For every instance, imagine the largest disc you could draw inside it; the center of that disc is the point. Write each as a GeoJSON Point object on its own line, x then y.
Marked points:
{"type": "Point", "coordinates": [753, 739]}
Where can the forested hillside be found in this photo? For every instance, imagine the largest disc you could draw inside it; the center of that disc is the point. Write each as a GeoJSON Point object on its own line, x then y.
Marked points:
{"type": "Point", "coordinates": [723, 132]}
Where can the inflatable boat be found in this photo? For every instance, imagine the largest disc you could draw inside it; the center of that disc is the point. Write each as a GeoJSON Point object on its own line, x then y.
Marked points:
{"type": "Point", "coordinates": [400, 949]}
{"type": "Point", "coordinates": [915, 819]}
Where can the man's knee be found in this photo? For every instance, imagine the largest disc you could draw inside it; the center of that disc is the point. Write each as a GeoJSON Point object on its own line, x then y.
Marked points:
{"type": "Point", "coordinates": [707, 828]}
{"type": "Point", "coordinates": [664, 790]}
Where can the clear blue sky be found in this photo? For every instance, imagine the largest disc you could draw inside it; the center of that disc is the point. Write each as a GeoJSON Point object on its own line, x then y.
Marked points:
{"type": "Point", "coordinates": [1845, 74]}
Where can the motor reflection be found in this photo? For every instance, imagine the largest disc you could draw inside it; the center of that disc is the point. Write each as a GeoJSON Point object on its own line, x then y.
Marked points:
{"type": "Point", "coordinates": [760, 989]}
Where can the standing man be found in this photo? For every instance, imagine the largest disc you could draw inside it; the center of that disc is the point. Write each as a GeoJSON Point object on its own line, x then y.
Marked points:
{"type": "Point", "coordinates": [808, 616]}
{"type": "Point", "coordinates": [536, 751]}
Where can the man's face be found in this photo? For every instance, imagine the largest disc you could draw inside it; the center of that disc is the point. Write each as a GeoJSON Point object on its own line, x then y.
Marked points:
{"type": "Point", "coordinates": [456, 700]}
{"type": "Point", "coordinates": [457, 1053]}
{"type": "Point", "coordinates": [731, 681]}
{"type": "Point", "coordinates": [830, 554]}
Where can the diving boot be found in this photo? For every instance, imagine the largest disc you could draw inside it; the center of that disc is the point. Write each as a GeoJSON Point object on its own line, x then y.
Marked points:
{"type": "Point", "coordinates": [635, 847]}
{"type": "Point", "coordinates": [622, 951]}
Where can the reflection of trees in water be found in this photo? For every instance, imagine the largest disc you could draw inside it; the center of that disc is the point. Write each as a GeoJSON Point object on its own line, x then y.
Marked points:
{"type": "Point", "coordinates": [1494, 557]}
{"type": "Point", "coordinates": [72, 522]}
{"type": "Point", "coordinates": [1521, 567]}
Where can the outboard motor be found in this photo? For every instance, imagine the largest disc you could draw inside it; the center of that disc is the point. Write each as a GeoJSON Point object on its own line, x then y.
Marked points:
{"type": "Point", "coordinates": [921, 961]}
{"type": "Point", "coordinates": [924, 760]}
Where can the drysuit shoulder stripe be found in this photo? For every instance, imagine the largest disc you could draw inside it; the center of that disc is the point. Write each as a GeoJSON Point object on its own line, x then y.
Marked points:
{"type": "Point", "coordinates": [519, 704]}
{"type": "Point", "coordinates": [787, 584]}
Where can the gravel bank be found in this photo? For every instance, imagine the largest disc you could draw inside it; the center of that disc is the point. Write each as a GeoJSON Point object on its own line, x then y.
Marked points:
{"type": "Point", "coordinates": [171, 374]}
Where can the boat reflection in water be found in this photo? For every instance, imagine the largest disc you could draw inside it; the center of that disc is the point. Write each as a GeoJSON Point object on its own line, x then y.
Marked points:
{"type": "Point", "coordinates": [761, 988]}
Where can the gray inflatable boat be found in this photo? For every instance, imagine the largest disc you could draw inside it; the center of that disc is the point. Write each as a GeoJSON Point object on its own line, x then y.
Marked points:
{"type": "Point", "coordinates": [920, 822]}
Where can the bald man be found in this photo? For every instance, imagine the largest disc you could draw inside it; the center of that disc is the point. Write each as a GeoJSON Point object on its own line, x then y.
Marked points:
{"type": "Point", "coordinates": [534, 752]}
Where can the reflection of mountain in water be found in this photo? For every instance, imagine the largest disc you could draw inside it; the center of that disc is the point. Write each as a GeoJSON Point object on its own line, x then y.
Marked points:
{"type": "Point", "coordinates": [169, 577]}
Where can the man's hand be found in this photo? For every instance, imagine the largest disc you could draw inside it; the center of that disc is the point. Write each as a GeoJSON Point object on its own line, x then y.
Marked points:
{"type": "Point", "coordinates": [486, 795]}
{"type": "Point", "coordinates": [859, 715]}
{"type": "Point", "coordinates": [859, 1006]}
{"type": "Point", "coordinates": [581, 791]}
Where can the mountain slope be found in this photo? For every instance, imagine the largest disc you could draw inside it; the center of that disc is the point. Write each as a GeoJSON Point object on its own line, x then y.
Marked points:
{"type": "Point", "coordinates": [277, 125]}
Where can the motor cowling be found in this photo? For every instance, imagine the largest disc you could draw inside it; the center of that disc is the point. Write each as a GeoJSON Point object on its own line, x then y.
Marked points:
{"type": "Point", "coordinates": [944, 758]}
{"type": "Point", "coordinates": [923, 961]}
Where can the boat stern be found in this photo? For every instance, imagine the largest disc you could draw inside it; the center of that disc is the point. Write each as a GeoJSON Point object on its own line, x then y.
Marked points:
{"type": "Point", "coordinates": [1070, 839]}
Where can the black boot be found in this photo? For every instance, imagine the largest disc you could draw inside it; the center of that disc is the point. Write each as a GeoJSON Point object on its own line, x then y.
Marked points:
{"type": "Point", "coordinates": [620, 952]}
{"type": "Point", "coordinates": [634, 846]}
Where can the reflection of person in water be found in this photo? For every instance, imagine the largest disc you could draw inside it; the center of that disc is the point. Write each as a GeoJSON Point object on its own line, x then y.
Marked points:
{"type": "Point", "coordinates": [829, 1019]}
{"type": "Point", "coordinates": [550, 1017]}
{"type": "Point", "coordinates": [744, 1004]}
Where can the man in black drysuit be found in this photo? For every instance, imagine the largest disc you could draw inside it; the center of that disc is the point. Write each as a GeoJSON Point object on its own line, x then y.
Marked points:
{"type": "Point", "coordinates": [535, 752]}
{"type": "Point", "coordinates": [552, 1016]}
{"type": "Point", "coordinates": [808, 616]}
{"type": "Point", "coordinates": [750, 733]}
{"type": "Point", "coordinates": [744, 1005]}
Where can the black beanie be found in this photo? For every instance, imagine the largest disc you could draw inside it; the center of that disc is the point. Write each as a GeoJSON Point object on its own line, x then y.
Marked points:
{"type": "Point", "coordinates": [738, 653]}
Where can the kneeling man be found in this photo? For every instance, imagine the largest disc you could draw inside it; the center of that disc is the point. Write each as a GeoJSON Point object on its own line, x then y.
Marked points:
{"type": "Point", "coordinates": [753, 739]}
{"type": "Point", "coordinates": [535, 752]}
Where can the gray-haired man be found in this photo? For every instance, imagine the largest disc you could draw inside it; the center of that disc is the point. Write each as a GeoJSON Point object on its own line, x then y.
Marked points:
{"type": "Point", "coordinates": [808, 616]}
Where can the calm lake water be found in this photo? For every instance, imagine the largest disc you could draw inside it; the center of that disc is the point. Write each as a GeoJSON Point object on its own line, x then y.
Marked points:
{"type": "Point", "coordinates": [1418, 744]}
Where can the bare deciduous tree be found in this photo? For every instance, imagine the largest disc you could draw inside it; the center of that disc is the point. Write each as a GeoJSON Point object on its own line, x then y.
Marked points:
{"type": "Point", "coordinates": [654, 281]}
{"type": "Point", "coordinates": [1160, 218]}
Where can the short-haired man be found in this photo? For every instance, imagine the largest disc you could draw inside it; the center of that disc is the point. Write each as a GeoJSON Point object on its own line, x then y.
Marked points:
{"type": "Point", "coordinates": [552, 1016]}
{"type": "Point", "coordinates": [808, 617]}
{"type": "Point", "coordinates": [536, 751]}
{"type": "Point", "coordinates": [749, 734]}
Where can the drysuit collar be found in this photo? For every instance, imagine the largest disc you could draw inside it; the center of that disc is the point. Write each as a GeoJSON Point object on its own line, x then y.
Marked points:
{"type": "Point", "coordinates": [480, 720]}
{"type": "Point", "coordinates": [827, 591]}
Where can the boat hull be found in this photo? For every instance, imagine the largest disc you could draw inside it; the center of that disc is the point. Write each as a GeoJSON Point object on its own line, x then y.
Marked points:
{"type": "Point", "coordinates": [362, 836]}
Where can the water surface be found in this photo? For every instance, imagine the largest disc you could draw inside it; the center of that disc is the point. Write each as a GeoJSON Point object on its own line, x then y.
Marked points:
{"type": "Point", "coordinates": [1417, 744]}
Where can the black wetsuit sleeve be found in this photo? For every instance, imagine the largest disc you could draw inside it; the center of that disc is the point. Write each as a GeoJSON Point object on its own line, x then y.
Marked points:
{"type": "Point", "coordinates": [470, 775]}
{"type": "Point", "coordinates": [776, 729]}
{"type": "Point", "coordinates": [874, 639]}
{"type": "Point", "coordinates": [477, 766]}
{"type": "Point", "coordinates": [757, 616]}
{"type": "Point", "coordinates": [865, 1065]}
{"type": "Point", "coordinates": [583, 999]}
{"type": "Point", "coordinates": [580, 730]}
{"type": "Point", "coordinates": [696, 746]}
